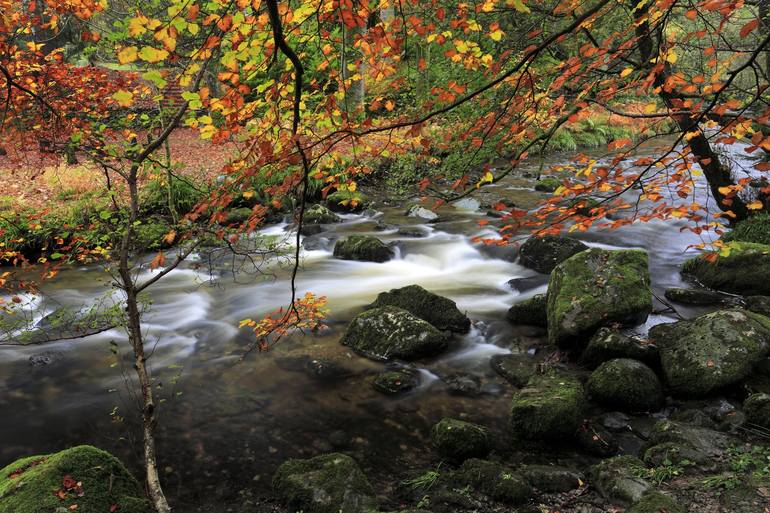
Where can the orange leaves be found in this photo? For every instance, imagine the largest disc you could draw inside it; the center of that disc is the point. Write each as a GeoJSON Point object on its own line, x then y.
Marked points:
{"type": "Point", "coordinates": [158, 261]}
{"type": "Point", "coordinates": [749, 27]}
{"type": "Point", "coordinates": [618, 143]}
{"type": "Point", "coordinates": [307, 312]}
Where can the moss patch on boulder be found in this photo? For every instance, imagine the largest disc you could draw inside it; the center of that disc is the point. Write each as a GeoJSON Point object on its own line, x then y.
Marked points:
{"type": "Point", "coordinates": [83, 478]}
{"type": "Point", "coordinates": [493, 480]}
{"type": "Point", "coordinates": [457, 440]}
{"type": "Point", "coordinates": [440, 311]}
{"type": "Point", "coordinates": [530, 312]}
{"type": "Point", "coordinates": [390, 332]}
{"type": "Point", "coordinates": [656, 502]}
{"type": "Point", "coordinates": [745, 270]}
{"type": "Point", "coordinates": [594, 288]}
{"type": "Point", "coordinates": [626, 384]}
{"type": "Point", "coordinates": [517, 369]}
{"type": "Point", "coordinates": [330, 483]}
{"type": "Point", "coordinates": [362, 247]}
{"type": "Point", "coordinates": [608, 344]}
{"type": "Point", "coordinates": [754, 229]}
{"type": "Point", "coordinates": [618, 479]}
{"type": "Point", "coordinates": [711, 351]}
{"type": "Point", "coordinates": [544, 253]}
{"type": "Point", "coordinates": [551, 406]}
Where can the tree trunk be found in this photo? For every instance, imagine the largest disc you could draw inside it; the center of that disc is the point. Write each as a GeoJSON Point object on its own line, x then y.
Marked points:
{"type": "Point", "coordinates": [356, 89]}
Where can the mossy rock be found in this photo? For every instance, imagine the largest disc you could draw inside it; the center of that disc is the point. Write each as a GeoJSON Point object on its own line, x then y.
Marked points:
{"type": "Point", "coordinates": [346, 201]}
{"type": "Point", "coordinates": [758, 304]}
{"type": "Point", "coordinates": [626, 384]}
{"type": "Point", "coordinates": [711, 351]}
{"type": "Point", "coordinates": [697, 444]}
{"type": "Point", "coordinates": [754, 229]}
{"type": "Point", "coordinates": [608, 344]}
{"type": "Point", "coordinates": [544, 253]}
{"type": "Point", "coordinates": [517, 369]}
{"type": "Point", "coordinates": [551, 406]}
{"type": "Point", "coordinates": [757, 409]}
{"type": "Point", "coordinates": [457, 440]}
{"type": "Point", "coordinates": [330, 483]}
{"type": "Point", "coordinates": [83, 477]}
{"type": "Point", "coordinates": [530, 312]}
{"type": "Point", "coordinates": [697, 297]}
{"type": "Point", "coordinates": [547, 184]}
{"type": "Point", "coordinates": [745, 270]}
{"type": "Point", "coordinates": [493, 480]}
{"type": "Point", "coordinates": [551, 478]}
{"type": "Point", "coordinates": [362, 247]}
{"type": "Point", "coordinates": [597, 287]}
{"type": "Point", "coordinates": [390, 332]}
{"type": "Point", "coordinates": [618, 479]}
{"type": "Point", "coordinates": [440, 311]}
{"type": "Point", "coordinates": [655, 502]}
{"type": "Point", "coordinates": [396, 381]}
{"type": "Point", "coordinates": [319, 214]}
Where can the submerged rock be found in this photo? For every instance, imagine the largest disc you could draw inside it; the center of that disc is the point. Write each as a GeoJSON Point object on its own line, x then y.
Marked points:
{"type": "Point", "coordinates": [390, 332]}
{"type": "Point", "coordinates": [460, 383]}
{"type": "Point", "coordinates": [440, 311]}
{"type": "Point", "coordinates": [320, 368]}
{"type": "Point", "coordinates": [711, 351]}
{"type": "Point", "coordinates": [745, 270]}
{"type": "Point", "coordinates": [532, 311]}
{"type": "Point", "coordinates": [517, 369]}
{"type": "Point", "coordinates": [757, 409]}
{"type": "Point", "coordinates": [457, 440]}
{"type": "Point", "coordinates": [364, 248]}
{"type": "Point", "coordinates": [422, 213]}
{"type": "Point", "coordinates": [330, 483]}
{"type": "Point", "coordinates": [396, 381]}
{"type": "Point", "coordinates": [618, 479]}
{"type": "Point", "coordinates": [550, 406]}
{"type": "Point", "coordinates": [319, 214]}
{"type": "Point", "coordinates": [608, 344]}
{"type": "Point", "coordinates": [83, 478]}
{"type": "Point", "coordinates": [698, 297]}
{"type": "Point", "coordinates": [597, 287]}
{"type": "Point", "coordinates": [544, 253]}
{"type": "Point", "coordinates": [493, 480]}
{"type": "Point", "coordinates": [626, 384]}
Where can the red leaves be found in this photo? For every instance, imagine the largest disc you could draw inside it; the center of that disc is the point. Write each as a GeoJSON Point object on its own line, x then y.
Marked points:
{"type": "Point", "coordinates": [749, 27]}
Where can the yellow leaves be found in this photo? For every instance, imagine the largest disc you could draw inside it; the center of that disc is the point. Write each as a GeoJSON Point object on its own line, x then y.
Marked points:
{"type": "Point", "coordinates": [691, 135]}
{"type": "Point", "coordinates": [124, 98]}
{"type": "Point", "coordinates": [755, 205]}
{"type": "Point", "coordinates": [128, 54]}
{"type": "Point", "coordinates": [626, 72]}
{"type": "Point", "coordinates": [671, 57]}
{"type": "Point", "coordinates": [650, 108]}
{"type": "Point", "coordinates": [136, 26]}
{"type": "Point", "coordinates": [495, 33]}
{"type": "Point", "coordinates": [248, 194]}
{"type": "Point", "coordinates": [389, 105]}
{"type": "Point", "coordinates": [518, 5]}
{"type": "Point", "coordinates": [153, 55]}
{"type": "Point", "coordinates": [170, 237]}
{"type": "Point", "coordinates": [34, 47]}
{"type": "Point", "coordinates": [487, 178]}
{"type": "Point", "coordinates": [461, 45]}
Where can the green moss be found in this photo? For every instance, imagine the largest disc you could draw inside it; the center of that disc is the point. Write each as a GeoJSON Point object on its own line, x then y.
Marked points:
{"type": "Point", "coordinates": [544, 253]}
{"type": "Point", "coordinates": [362, 247]}
{"type": "Point", "coordinates": [627, 385]}
{"type": "Point", "coordinates": [346, 201]}
{"type": "Point", "coordinates": [550, 406]}
{"type": "Point", "coordinates": [745, 270]}
{"type": "Point", "coordinates": [531, 312]}
{"type": "Point", "coordinates": [547, 184]}
{"type": "Point", "coordinates": [390, 332]}
{"type": "Point", "coordinates": [150, 234]}
{"type": "Point", "coordinates": [608, 344]}
{"type": "Point", "coordinates": [457, 440]}
{"type": "Point", "coordinates": [30, 485]}
{"type": "Point", "coordinates": [494, 480]}
{"type": "Point", "coordinates": [656, 502]}
{"type": "Point", "coordinates": [754, 229]}
{"type": "Point", "coordinates": [319, 214]}
{"type": "Point", "coordinates": [330, 483]}
{"type": "Point", "coordinates": [597, 287]}
{"type": "Point", "coordinates": [441, 312]}
{"type": "Point", "coordinates": [396, 382]}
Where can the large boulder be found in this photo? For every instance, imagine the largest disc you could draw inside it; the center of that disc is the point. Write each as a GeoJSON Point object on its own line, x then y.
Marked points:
{"type": "Point", "coordinates": [544, 253]}
{"type": "Point", "coordinates": [711, 351]}
{"type": "Point", "coordinates": [745, 270]}
{"type": "Point", "coordinates": [531, 312]}
{"type": "Point", "coordinates": [82, 478]}
{"type": "Point", "coordinates": [330, 483]}
{"type": "Point", "coordinates": [608, 344]}
{"type": "Point", "coordinates": [457, 440]}
{"type": "Point", "coordinates": [362, 247]}
{"type": "Point", "coordinates": [440, 311]}
{"type": "Point", "coordinates": [390, 332]}
{"type": "Point", "coordinates": [594, 288]}
{"type": "Point", "coordinates": [626, 384]}
{"type": "Point", "coordinates": [551, 406]}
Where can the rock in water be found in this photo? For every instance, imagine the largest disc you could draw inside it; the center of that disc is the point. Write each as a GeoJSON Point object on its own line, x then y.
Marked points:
{"type": "Point", "coordinates": [531, 312]}
{"type": "Point", "coordinates": [626, 384]}
{"type": "Point", "coordinates": [390, 332]}
{"type": "Point", "coordinates": [457, 440]}
{"type": "Point", "coordinates": [422, 213]}
{"type": "Point", "coordinates": [544, 253]}
{"type": "Point", "coordinates": [597, 287]}
{"type": "Point", "coordinates": [697, 297]}
{"type": "Point", "coordinates": [711, 351]}
{"type": "Point", "coordinates": [517, 369]}
{"type": "Point", "coordinates": [319, 214]}
{"type": "Point", "coordinates": [440, 311]}
{"type": "Point", "coordinates": [330, 483]}
{"type": "Point", "coordinates": [745, 270]}
{"type": "Point", "coordinates": [364, 248]}
{"type": "Point", "coordinates": [608, 344]}
{"type": "Point", "coordinates": [396, 381]}
{"type": "Point", "coordinates": [550, 406]}
{"type": "Point", "coordinates": [84, 477]}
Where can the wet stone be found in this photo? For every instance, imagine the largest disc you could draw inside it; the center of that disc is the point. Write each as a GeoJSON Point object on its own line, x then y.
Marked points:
{"type": "Point", "coordinates": [396, 381]}
{"type": "Point", "coordinates": [462, 384]}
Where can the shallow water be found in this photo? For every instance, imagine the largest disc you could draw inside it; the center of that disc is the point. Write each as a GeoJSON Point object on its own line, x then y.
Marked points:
{"type": "Point", "coordinates": [225, 425]}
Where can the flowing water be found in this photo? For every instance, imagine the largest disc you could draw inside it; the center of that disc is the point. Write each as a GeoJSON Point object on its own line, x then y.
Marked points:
{"type": "Point", "coordinates": [225, 424]}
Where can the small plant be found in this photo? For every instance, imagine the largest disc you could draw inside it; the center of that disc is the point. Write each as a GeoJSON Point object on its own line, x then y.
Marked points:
{"type": "Point", "coordinates": [424, 481]}
{"type": "Point", "coordinates": [664, 472]}
{"type": "Point", "coordinates": [722, 482]}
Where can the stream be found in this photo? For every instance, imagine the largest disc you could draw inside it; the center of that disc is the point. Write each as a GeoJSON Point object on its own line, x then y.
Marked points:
{"type": "Point", "coordinates": [226, 424]}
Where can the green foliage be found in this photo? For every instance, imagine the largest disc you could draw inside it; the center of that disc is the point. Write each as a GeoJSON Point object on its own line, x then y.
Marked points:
{"type": "Point", "coordinates": [170, 198]}
{"type": "Point", "coordinates": [754, 229]}
{"type": "Point", "coordinates": [424, 481]}
{"type": "Point", "coordinates": [664, 472]}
